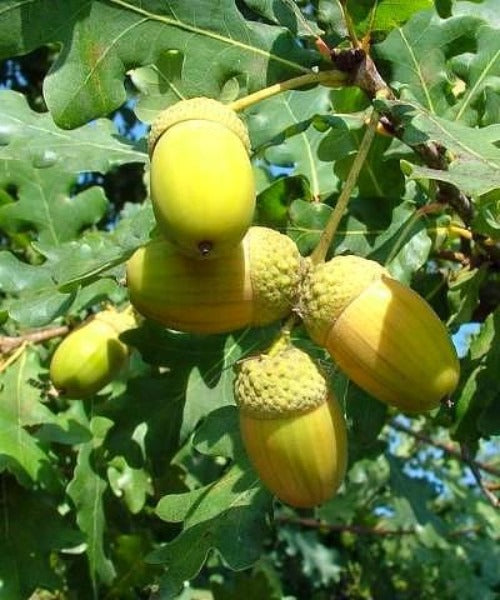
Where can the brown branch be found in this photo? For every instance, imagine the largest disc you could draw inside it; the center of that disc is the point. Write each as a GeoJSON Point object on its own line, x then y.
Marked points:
{"type": "Point", "coordinates": [452, 256]}
{"type": "Point", "coordinates": [448, 448]}
{"type": "Point", "coordinates": [9, 343]}
{"type": "Point", "coordinates": [493, 500]}
{"type": "Point", "coordinates": [357, 529]}
{"type": "Point", "coordinates": [493, 487]}
{"type": "Point", "coordinates": [362, 72]}
{"type": "Point", "coordinates": [362, 529]}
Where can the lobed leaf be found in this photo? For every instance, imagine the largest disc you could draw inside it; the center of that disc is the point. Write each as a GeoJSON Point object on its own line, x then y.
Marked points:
{"type": "Point", "coordinates": [102, 40]}
{"type": "Point", "coordinates": [228, 515]}
{"type": "Point", "coordinates": [33, 137]}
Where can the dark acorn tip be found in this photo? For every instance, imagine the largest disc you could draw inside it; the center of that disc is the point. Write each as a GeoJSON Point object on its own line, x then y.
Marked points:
{"type": "Point", "coordinates": [205, 248]}
{"type": "Point", "coordinates": [447, 402]}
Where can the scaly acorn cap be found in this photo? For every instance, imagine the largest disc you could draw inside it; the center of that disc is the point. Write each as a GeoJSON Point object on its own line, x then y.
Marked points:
{"type": "Point", "coordinates": [292, 427]}
{"type": "Point", "coordinates": [255, 284]}
{"type": "Point", "coordinates": [120, 321]}
{"type": "Point", "coordinates": [288, 383]}
{"type": "Point", "coordinates": [328, 288]}
{"type": "Point", "coordinates": [275, 272]}
{"type": "Point", "coordinates": [201, 108]}
{"type": "Point", "coordinates": [381, 333]}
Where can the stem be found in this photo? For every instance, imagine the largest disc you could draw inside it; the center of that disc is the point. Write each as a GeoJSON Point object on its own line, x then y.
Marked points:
{"type": "Point", "coordinates": [330, 78]}
{"type": "Point", "coordinates": [9, 343]}
{"type": "Point", "coordinates": [460, 231]}
{"type": "Point", "coordinates": [319, 253]}
{"type": "Point", "coordinates": [448, 448]}
{"type": "Point", "coordinates": [349, 24]}
{"type": "Point", "coordinates": [492, 499]}
{"type": "Point", "coordinates": [362, 529]}
{"type": "Point", "coordinates": [13, 357]}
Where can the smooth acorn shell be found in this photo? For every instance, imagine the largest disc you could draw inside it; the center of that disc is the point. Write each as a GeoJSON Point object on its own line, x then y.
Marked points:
{"type": "Point", "coordinates": [392, 344]}
{"type": "Point", "coordinates": [202, 184]}
{"type": "Point", "coordinates": [386, 338]}
{"type": "Point", "coordinates": [292, 426]}
{"type": "Point", "coordinates": [301, 458]}
{"type": "Point", "coordinates": [254, 284]}
{"type": "Point", "coordinates": [89, 357]}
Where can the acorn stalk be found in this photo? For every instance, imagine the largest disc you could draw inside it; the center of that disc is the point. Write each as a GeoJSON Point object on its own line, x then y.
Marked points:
{"type": "Point", "coordinates": [254, 284]}
{"type": "Point", "coordinates": [381, 333]}
{"type": "Point", "coordinates": [292, 427]}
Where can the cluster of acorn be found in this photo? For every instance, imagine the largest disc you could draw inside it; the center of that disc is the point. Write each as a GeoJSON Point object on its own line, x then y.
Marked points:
{"type": "Point", "coordinates": [211, 272]}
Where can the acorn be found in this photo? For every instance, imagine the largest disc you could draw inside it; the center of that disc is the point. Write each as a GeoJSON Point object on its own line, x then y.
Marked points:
{"type": "Point", "coordinates": [292, 427]}
{"type": "Point", "coordinates": [92, 355]}
{"type": "Point", "coordinates": [382, 334]}
{"type": "Point", "coordinates": [255, 284]}
{"type": "Point", "coordinates": [202, 184]}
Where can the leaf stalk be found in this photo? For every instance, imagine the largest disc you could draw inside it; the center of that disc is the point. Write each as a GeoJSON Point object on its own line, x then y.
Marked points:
{"type": "Point", "coordinates": [329, 78]}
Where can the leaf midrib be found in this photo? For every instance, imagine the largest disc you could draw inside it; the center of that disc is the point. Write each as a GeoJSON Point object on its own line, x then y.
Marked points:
{"type": "Point", "coordinates": [204, 32]}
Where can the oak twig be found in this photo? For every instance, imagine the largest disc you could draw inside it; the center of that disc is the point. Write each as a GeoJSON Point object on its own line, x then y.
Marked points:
{"type": "Point", "coordinates": [493, 500]}
{"type": "Point", "coordinates": [319, 253]}
{"type": "Point", "coordinates": [363, 529]}
{"type": "Point", "coordinates": [9, 343]}
{"type": "Point", "coordinates": [448, 448]}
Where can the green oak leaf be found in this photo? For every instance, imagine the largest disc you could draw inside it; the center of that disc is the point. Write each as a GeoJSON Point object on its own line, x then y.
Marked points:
{"type": "Point", "coordinates": [36, 295]}
{"type": "Point", "coordinates": [463, 294]}
{"type": "Point", "coordinates": [418, 52]}
{"type": "Point", "coordinates": [282, 131]}
{"type": "Point", "coordinates": [473, 156]}
{"type": "Point", "coordinates": [478, 392]}
{"type": "Point", "coordinates": [412, 497]}
{"type": "Point", "coordinates": [86, 490]}
{"type": "Point", "coordinates": [371, 16]}
{"type": "Point", "coordinates": [480, 71]}
{"type": "Point", "coordinates": [204, 363]}
{"type": "Point", "coordinates": [262, 583]}
{"type": "Point", "coordinates": [228, 515]}
{"type": "Point", "coordinates": [485, 9]}
{"type": "Point", "coordinates": [20, 408]}
{"type": "Point", "coordinates": [45, 205]}
{"type": "Point", "coordinates": [31, 530]}
{"type": "Point", "coordinates": [134, 485]}
{"type": "Point", "coordinates": [33, 137]}
{"type": "Point", "coordinates": [102, 39]}
{"type": "Point", "coordinates": [147, 419]}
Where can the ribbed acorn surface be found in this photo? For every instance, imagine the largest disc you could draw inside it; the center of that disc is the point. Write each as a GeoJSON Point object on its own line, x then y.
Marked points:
{"type": "Point", "coordinates": [202, 184]}
{"type": "Point", "coordinates": [90, 357]}
{"type": "Point", "coordinates": [382, 334]}
{"type": "Point", "coordinates": [255, 284]}
{"type": "Point", "coordinates": [292, 427]}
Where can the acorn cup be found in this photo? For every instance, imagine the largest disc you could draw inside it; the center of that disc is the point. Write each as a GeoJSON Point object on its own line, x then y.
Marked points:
{"type": "Point", "coordinates": [292, 427]}
{"type": "Point", "coordinates": [255, 284]}
{"type": "Point", "coordinates": [382, 334]}
{"type": "Point", "coordinates": [202, 184]}
{"type": "Point", "coordinates": [92, 355]}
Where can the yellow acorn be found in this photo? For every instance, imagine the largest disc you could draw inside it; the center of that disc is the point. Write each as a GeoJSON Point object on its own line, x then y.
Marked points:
{"type": "Point", "coordinates": [91, 356]}
{"type": "Point", "coordinates": [381, 333]}
{"type": "Point", "coordinates": [202, 184]}
{"type": "Point", "coordinates": [292, 427]}
{"type": "Point", "coordinates": [255, 284]}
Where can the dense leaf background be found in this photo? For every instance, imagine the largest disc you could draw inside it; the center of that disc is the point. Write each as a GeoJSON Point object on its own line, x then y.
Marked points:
{"type": "Point", "coordinates": [144, 490]}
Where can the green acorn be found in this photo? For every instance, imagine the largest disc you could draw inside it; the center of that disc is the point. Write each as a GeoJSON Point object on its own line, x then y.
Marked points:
{"type": "Point", "coordinates": [92, 355]}
{"type": "Point", "coordinates": [381, 333]}
{"type": "Point", "coordinates": [292, 426]}
{"type": "Point", "coordinates": [202, 184]}
{"type": "Point", "coordinates": [254, 284]}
